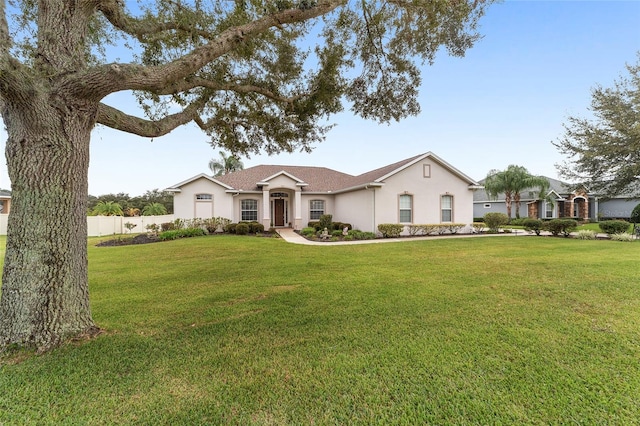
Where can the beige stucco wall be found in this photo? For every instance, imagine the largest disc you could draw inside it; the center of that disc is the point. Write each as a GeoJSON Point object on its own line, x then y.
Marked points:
{"type": "Point", "coordinates": [184, 202]}
{"type": "Point", "coordinates": [355, 207]}
{"type": "Point", "coordinates": [427, 192]}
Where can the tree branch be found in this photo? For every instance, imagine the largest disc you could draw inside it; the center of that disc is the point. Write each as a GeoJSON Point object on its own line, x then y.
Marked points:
{"type": "Point", "coordinates": [138, 77]}
{"type": "Point", "coordinates": [116, 119]}
{"type": "Point", "coordinates": [114, 11]}
{"type": "Point", "coordinates": [194, 82]}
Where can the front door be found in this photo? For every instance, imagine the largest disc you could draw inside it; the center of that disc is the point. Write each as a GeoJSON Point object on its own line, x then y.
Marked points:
{"type": "Point", "coordinates": [278, 212]}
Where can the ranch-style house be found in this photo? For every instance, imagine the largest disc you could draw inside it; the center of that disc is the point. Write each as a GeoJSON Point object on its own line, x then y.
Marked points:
{"type": "Point", "coordinates": [423, 189]}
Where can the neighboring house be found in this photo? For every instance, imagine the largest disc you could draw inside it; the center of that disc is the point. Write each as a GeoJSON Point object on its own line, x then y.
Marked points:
{"type": "Point", "coordinates": [564, 201]}
{"type": "Point", "coordinates": [420, 190]}
{"type": "Point", "coordinates": [620, 206]}
{"type": "Point", "coordinates": [5, 202]}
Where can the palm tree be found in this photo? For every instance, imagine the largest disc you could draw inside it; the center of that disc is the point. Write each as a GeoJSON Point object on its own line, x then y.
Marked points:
{"type": "Point", "coordinates": [108, 208]}
{"type": "Point", "coordinates": [226, 164]}
{"type": "Point", "coordinates": [512, 182]}
{"type": "Point", "coordinates": [154, 209]}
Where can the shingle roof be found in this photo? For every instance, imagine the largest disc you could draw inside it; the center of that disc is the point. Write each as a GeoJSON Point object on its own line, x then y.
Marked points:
{"type": "Point", "coordinates": [316, 179]}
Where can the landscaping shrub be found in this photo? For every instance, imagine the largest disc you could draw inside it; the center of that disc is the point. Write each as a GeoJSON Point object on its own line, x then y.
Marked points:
{"type": "Point", "coordinates": [478, 227]}
{"type": "Point", "coordinates": [340, 225]}
{"type": "Point", "coordinates": [586, 234]}
{"type": "Point", "coordinates": [255, 227]}
{"type": "Point", "coordinates": [441, 229]}
{"type": "Point", "coordinates": [307, 232]}
{"type": "Point", "coordinates": [429, 229]}
{"type": "Point", "coordinates": [213, 224]}
{"type": "Point", "coordinates": [242, 228]}
{"type": "Point", "coordinates": [390, 230]}
{"type": "Point", "coordinates": [518, 221]}
{"type": "Point", "coordinates": [210, 225]}
{"type": "Point", "coordinates": [454, 228]}
{"type": "Point", "coordinates": [635, 215]}
{"type": "Point", "coordinates": [495, 221]}
{"type": "Point", "coordinates": [325, 222]}
{"type": "Point", "coordinates": [230, 228]}
{"type": "Point", "coordinates": [167, 226]}
{"type": "Point", "coordinates": [532, 225]}
{"type": "Point", "coordinates": [360, 235]}
{"type": "Point", "coordinates": [415, 229]}
{"type": "Point", "coordinates": [336, 233]}
{"type": "Point", "coordinates": [314, 224]}
{"type": "Point", "coordinates": [614, 226]}
{"type": "Point", "coordinates": [181, 233]}
{"type": "Point", "coordinates": [561, 226]}
{"type": "Point", "coordinates": [623, 236]}
{"type": "Point", "coordinates": [152, 228]}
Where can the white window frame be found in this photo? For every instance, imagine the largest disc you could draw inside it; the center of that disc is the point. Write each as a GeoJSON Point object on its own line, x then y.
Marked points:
{"type": "Point", "coordinates": [245, 210]}
{"type": "Point", "coordinates": [404, 209]}
{"type": "Point", "coordinates": [444, 209]}
{"type": "Point", "coordinates": [314, 210]}
{"type": "Point", "coordinates": [548, 212]}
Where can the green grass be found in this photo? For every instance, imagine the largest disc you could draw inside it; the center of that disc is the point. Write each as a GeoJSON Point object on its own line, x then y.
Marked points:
{"type": "Point", "coordinates": [230, 330]}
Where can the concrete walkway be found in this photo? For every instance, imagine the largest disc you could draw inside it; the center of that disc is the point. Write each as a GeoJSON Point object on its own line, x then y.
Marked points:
{"type": "Point", "coordinates": [290, 236]}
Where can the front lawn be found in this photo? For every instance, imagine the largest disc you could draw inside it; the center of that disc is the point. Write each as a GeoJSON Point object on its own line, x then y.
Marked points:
{"type": "Point", "coordinates": [230, 330]}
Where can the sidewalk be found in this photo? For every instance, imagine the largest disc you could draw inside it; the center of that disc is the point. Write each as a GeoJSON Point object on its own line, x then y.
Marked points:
{"type": "Point", "coordinates": [290, 236]}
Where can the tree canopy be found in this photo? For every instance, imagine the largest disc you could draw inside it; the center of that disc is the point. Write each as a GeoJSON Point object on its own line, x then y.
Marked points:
{"type": "Point", "coordinates": [604, 151]}
{"type": "Point", "coordinates": [512, 182]}
{"type": "Point", "coordinates": [254, 75]}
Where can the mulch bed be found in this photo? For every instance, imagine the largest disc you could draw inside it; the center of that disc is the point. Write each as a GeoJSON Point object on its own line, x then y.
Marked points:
{"type": "Point", "coordinates": [126, 241]}
{"type": "Point", "coordinates": [146, 239]}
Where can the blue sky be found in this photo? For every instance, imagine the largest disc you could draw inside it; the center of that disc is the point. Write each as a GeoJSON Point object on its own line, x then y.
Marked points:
{"type": "Point", "coordinates": [503, 103]}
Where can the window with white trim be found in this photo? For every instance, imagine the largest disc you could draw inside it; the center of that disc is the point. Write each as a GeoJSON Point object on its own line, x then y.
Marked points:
{"type": "Point", "coordinates": [405, 203]}
{"type": "Point", "coordinates": [446, 208]}
{"type": "Point", "coordinates": [249, 210]}
{"type": "Point", "coordinates": [204, 197]}
{"type": "Point", "coordinates": [548, 209]}
{"type": "Point", "coordinates": [316, 209]}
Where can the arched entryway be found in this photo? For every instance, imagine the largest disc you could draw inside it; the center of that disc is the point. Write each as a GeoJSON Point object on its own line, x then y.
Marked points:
{"type": "Point", "coordinates": [580, 208]}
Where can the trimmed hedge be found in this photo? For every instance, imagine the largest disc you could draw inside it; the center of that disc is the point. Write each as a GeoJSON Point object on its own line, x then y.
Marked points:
{"type": "Point", "coordinates": [495, 221]}
{"type": "Point", "coordinates": [181, 233]}
{"type": "Point", "coordinates": [533, 225]}
{"type": "Point", "coordinates": [612, 227]}
{"type": "Point", "coordinates": [390, 230]}
{"type": "Point", "coordinates": [561, 226]}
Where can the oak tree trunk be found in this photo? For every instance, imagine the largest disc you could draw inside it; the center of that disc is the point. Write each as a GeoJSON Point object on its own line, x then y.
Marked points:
{"type": "Point", "coordinates": [45, 297]}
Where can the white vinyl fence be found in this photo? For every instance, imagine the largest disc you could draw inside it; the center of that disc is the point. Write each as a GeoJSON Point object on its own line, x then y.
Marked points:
{"type": "Point", "coordinates": [108, 225]}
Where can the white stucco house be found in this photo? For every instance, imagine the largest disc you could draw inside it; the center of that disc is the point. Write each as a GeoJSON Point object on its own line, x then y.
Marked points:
{"type": "Point", "coordinates": [423, 189]}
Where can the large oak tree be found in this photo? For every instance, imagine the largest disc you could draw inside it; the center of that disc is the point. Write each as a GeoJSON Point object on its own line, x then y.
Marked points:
{"type": "Point", "coordinates": [603, 151]}
{"type": "Point", "coordinates": [254, 75]}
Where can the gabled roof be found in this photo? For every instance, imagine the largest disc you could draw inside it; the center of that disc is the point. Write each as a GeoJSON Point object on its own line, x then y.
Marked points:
{"type": "Point", "coordinates": [319, 179]}
{"type": "Point", "coordinates": [378, 176]}
{"type": "Point", "coordinates": [176, 187]}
